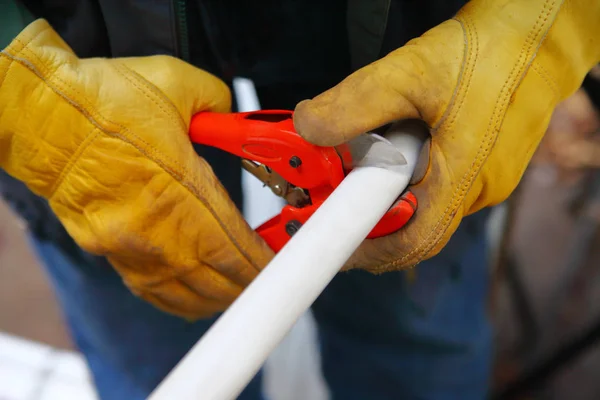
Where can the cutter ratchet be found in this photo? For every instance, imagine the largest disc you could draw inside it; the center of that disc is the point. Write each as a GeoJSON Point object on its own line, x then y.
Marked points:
{"type": "Point", "coordinates": [298, 171]}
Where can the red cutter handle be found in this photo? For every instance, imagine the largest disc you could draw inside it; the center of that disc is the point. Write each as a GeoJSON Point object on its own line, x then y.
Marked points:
{"type": "Point", "coordinates": [279, 229]}
{"type": "Point", "coordinates": [269, 137]}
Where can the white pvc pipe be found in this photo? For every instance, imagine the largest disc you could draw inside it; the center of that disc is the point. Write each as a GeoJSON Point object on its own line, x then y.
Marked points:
{"type": "Point", "coordinates": [245, 94]}
{"type": "Point", "coordinates": [226, 358]}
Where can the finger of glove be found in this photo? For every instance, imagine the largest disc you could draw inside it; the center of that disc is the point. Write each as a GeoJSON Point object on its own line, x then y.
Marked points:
{"type": "Point", "coordinates": [191, 89]}
{"type": "Point", "coordinates": [415, 81]}
{"type": "Point", "coordinates": [145, 274]}
{"type": "Point", "coordinates": [180, 293]}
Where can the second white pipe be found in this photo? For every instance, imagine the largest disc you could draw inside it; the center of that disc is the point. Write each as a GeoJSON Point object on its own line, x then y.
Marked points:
{"type": "Point", "coordinates": [232, 351]}
{"type": "Point", "coordinates": [259, 203]}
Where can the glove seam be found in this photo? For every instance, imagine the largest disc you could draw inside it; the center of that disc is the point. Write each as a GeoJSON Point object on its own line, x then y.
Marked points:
{"type": "Point", "coordinates": [140, 83]}
{"type": "Point", "coordinates": [89, 139]}
{"type": "Point", "coordinates": [519, 69]}
{"type": "Point", "coordinates": [80, 148]}
{"type": "Point", "coordinates": [471, 36]}
{"type": "Point", "coordinates": [90, 113]}
{"type": "Point", "coordinates": [543, 73]}
{"type": "Point", "coordinates": [449, 116]}
{"type": "Point", "coordinates": [89, 110]}
{"type": "Point", "coordinates": [8, 54]}
{"type": "Point", "coordinates": [11, 62]}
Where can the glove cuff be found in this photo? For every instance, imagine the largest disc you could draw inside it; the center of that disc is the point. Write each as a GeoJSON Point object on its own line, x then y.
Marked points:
{"type": "Point", "coordinates": [34, 146]}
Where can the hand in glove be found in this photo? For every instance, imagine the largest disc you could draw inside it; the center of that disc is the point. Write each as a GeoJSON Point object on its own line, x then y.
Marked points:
{"type": "Point", "coordinates": [486, 83]}
{"type": "Point", "coordinates": [106, 142]}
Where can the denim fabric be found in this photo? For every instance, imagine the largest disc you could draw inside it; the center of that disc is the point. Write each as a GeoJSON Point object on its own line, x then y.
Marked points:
{"type": "Point", "coordinates": [382, 337]}
{"type": "Point", "coordinates": [389, 337]}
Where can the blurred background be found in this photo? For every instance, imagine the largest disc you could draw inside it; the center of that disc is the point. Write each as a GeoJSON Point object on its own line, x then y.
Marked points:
{"type": "Point", "coordinates": [545, 299]}
{"type": "Point", "coordinates": [37, 358]}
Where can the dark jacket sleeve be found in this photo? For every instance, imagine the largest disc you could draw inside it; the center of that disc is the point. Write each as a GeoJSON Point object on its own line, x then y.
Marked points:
{"type": "Point", "coordinates": [14, 17]}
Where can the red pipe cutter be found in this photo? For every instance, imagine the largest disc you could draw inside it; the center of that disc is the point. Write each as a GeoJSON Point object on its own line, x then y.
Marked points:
{"type": "Point", "coordinates": [298, 171]}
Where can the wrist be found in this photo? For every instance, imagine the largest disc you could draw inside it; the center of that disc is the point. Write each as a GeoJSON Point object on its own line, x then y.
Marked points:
{"type": "Point", "coordinates": [39, 148]}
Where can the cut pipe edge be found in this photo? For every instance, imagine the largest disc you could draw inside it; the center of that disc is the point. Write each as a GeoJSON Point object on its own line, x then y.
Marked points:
{"type": "Point", "coordinates": [231, 352]}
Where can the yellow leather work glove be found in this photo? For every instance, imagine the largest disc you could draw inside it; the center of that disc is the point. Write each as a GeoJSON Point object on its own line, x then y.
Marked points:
{"type": "Point", "coordinates": [486, 83]}
{"type": "Point", "coordinates": [106, 142]}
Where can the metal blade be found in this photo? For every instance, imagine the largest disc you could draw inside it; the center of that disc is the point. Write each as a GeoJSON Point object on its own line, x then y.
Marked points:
{"type": "Point", "coordinates": [297, 197]}
{"type": "Point", "coordinates": [294, 196]}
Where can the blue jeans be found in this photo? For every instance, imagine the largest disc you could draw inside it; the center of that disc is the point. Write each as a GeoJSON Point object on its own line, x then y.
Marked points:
{"type": "Point", "coordinates": [381, 337]}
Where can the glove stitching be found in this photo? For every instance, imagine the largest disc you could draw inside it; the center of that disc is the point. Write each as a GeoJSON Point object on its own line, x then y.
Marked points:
{"type": "Point", "coordinates": [447, 122]}
{"type": "Point", "coordinates": [8, 67]}
{"type": "Point", "coordinates": [86, 107]}
{"type": "Point", "coordinates": [25, 48]}
{"type": "Point", "coordinates": [82, 146]}
{"type": "Point", "coordinates": [6, 52]}
{"type": "Point", "coordinates": [487, 142]}
{"type": "Point", "coordinates": [543, 73]}
{"type": "Point", "coordinates": [470, 61]}
{"type": "Point", "coordinates": [89, 139]}
{"type": "Point", "coordinates": [93, 116]}
{"type": "Point", "coordinates": [89, 110]}
{"type": "Point", "coordinates": [131, 76]}
{"type": "Point", "coordinates": [41, 75]}
{"type": "Point", "coordinates": [25, 43]}
{"type": "Point", "coordinates": [495, 124]}
{"type": "Point", "coordinates": [464, 85]}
